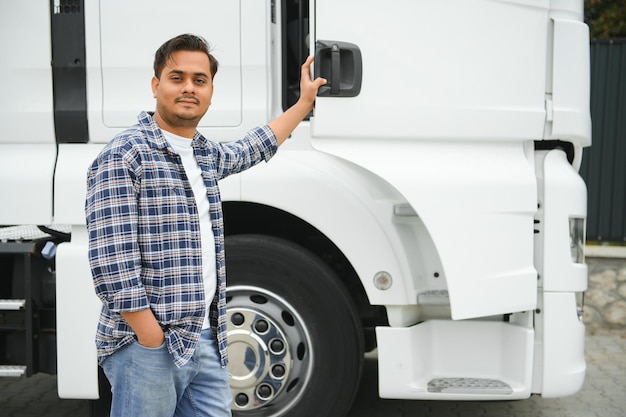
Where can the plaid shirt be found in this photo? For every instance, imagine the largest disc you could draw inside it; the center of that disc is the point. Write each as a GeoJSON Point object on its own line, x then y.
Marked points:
{"type": "Point", "coordinates": [144, 233]}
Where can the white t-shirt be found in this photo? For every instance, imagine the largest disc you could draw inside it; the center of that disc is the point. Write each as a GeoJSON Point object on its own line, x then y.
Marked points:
{"type": "Point", "coordinates": [182, 146]}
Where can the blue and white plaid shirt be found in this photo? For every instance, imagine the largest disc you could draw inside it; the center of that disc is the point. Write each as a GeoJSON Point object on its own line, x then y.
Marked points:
{"type": "Point", "coordinates": [144, 233]}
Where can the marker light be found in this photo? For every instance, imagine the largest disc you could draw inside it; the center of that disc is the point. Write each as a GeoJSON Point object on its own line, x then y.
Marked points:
{"type": "Point", "coordinates": [382, 280]}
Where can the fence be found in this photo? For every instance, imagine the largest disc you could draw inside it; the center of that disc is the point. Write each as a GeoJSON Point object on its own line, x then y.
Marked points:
{"type": "Point", "coordinates": [604, 164]}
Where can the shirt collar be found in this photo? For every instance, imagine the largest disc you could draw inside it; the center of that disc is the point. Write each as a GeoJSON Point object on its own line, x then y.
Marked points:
{"type": "Point", "coordinates": [155, 136]}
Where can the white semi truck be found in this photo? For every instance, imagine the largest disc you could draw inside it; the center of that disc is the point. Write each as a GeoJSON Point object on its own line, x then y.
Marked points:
{"type": "Point", "coordinates": [429, 208]}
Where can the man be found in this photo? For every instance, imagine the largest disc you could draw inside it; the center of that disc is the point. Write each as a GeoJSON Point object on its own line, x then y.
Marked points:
{"type": "Point", "coordinates": [156, 240]}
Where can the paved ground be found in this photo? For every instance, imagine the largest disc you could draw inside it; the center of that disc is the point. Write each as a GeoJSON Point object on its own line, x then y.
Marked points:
{"type": "Point", "coordinates": [601, 396]}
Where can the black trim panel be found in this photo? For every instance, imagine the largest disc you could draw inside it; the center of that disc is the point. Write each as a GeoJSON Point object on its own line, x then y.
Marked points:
{"type": "Point", "coordinates": [69, 78]}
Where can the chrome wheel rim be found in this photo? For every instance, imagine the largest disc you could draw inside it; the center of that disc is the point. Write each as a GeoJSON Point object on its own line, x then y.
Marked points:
{"type": "Point", "coordinates": [270, 357]}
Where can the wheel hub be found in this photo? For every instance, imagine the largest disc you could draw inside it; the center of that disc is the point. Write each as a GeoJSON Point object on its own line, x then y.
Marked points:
{"type": "Point", "coordinates": [259, 358]}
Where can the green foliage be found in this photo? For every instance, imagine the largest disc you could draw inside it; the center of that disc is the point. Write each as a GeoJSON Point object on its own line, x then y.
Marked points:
{"type": "Point", "coordinates": [606, 18]}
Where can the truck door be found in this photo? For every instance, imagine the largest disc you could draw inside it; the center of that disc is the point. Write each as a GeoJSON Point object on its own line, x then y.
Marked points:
{"type": "Point", "coordinates": [443, 100]}
{"type": "Point", "coordinates": [122, 38]}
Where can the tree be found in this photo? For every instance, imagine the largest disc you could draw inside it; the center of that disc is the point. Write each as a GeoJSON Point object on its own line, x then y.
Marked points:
{"type": "Point", "coordinates": [606, 18]}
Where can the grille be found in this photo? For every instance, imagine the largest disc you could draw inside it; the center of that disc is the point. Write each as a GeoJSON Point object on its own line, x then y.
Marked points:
{"type": "Point", "coordinates": [67, 6]}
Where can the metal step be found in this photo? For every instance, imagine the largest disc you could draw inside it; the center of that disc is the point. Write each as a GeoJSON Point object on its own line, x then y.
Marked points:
{"type": "Point", "coordinates": [12, 370]}
{"type": "Point", "coordinates": [12, 304]}
{"type": "Point", "coordinates": [29, 232]}
{"type": "Point", "coordinates": [469, 386]}
{"type": "Point", "coordinates": [434, 297]}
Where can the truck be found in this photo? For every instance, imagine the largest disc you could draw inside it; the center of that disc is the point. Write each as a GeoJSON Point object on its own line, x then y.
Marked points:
{"type": "Point", "coordinates": [429, 210]}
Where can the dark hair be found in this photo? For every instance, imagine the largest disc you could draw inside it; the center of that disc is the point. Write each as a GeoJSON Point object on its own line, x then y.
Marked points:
{"type": "Point", "coordinates": [186, 42]}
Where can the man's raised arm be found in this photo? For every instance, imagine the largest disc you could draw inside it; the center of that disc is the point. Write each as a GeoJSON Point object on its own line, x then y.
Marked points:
{"type": "Point", "coordinates": [284, 124]}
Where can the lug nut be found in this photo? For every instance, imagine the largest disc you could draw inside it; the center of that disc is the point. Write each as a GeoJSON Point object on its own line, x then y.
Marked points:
{"type": "Point", "coordinates": [278, 371]}
{"type": "Point", "coordinates": [277, 346]}
{"type": "Point", "coordinates": [241, 399]}
{"type": "Point", "coordinates": [237, 319]}
{"type": "Point", "coordinates": [264, 391]}
{"type": "Point", "coordinates": [261, 326]}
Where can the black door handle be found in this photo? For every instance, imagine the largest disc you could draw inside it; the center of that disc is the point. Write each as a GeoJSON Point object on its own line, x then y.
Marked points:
{"type": "Point", "coordinates": [341, 64]}
{"type": "Point", "coordinates": [335, 69]}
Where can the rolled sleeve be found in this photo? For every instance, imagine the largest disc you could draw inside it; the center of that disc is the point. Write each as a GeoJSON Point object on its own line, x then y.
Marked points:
{"type": "Point", "coordinates": [111, 217]}
{"type": "Point", "coordinates": [265, 142]}
{"type": "Point", "coordinates": [258, 145]}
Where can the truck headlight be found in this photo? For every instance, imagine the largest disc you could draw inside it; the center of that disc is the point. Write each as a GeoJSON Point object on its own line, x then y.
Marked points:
{"type": "Point", "coordinates": [580, 304]}
{"type": "Point", "coordinates": [577, 239]}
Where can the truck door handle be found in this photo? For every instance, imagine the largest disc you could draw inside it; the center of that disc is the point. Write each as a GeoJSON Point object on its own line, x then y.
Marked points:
{"type": "Point", "coordinates": [342, 66]}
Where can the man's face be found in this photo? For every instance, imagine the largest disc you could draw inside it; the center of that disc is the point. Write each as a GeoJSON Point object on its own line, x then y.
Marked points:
{"type": "Point", "coordinates": [183, 92]}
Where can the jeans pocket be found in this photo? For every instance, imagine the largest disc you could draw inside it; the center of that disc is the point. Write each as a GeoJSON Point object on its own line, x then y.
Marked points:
{"type": "Point", "coordinates": [155, 348]}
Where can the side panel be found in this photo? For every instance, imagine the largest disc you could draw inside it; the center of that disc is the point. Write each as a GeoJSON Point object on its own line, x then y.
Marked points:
{"type": "Point", "coordinates": [570, 117]}
{"type": "Point", "coordinates": [466, 69]}
{"type": "Point", "coordinates": [25, 74]}
{"type": "Point", "coordinates": [27, 146]}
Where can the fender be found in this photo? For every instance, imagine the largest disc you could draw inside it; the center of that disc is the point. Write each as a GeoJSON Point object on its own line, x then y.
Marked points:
{"type": "Point", "coordinates": [78, 309]}
{"type": "Point", "coordinates": [469, 195]}
{"type": "Point", "coordinates": [355, 210]}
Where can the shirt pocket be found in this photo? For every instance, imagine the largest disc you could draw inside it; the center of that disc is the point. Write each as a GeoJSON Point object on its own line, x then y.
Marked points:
{"type": "Point", "coordinates": [163, 221]}
{"type": "Point", "coordinates": [162, 206]}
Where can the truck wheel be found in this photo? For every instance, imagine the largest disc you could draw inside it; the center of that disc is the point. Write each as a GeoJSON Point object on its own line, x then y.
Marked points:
{"type": "Point", "coordinates": [295, 339]}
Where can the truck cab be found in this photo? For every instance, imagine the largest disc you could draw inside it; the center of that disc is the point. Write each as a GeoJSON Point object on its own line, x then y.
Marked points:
{"type": "Point", "coordinates": [429, 208]}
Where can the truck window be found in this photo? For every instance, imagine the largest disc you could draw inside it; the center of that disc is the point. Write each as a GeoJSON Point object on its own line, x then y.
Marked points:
{"type": "Point", "coordinates": [295, 47]}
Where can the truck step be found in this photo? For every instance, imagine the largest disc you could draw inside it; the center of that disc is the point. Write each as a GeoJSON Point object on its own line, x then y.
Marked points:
{"type": "Point", "coordinates": [469, 386]}
{"type": "Point", "coordinates": [12, 304]}
{"type": "Point", "coordinates": [434, 297]}
{"type": "Point", "coordinates": [12, 370]}
{"type": "Point", "coordinates": [29, 232]}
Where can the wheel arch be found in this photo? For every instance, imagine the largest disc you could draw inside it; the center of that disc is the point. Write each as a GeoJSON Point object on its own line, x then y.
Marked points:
{"type": "Point", "coordinates": [243, 218]}
{"type": "Point", "coordinates": [346, 205]}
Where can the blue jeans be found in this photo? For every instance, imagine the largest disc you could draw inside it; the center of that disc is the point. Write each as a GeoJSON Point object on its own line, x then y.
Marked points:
{"type": "Point", "coordinates": [145, 382]}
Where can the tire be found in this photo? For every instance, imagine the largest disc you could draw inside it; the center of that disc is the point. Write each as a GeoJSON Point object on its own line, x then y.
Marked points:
{"type": "Point", "coordinates": [295, 339]}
